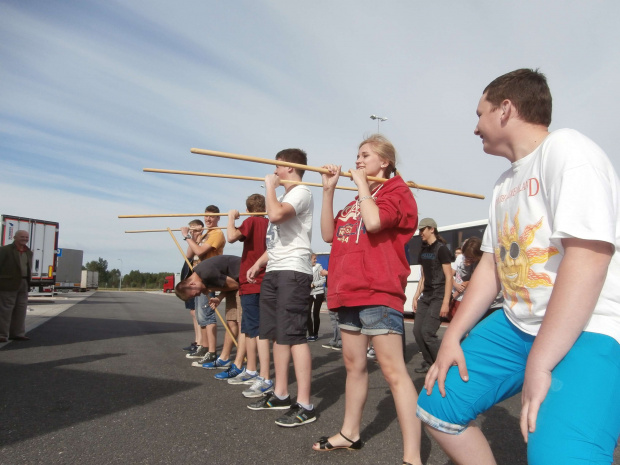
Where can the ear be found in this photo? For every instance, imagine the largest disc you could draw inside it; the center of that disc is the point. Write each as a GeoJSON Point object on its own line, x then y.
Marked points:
{"type": "Point", "coordinates": [506, 110]}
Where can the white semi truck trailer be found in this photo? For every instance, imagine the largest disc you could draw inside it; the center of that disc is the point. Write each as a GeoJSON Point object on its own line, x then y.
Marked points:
{"type": "Point", "coordinates": [43, 243]}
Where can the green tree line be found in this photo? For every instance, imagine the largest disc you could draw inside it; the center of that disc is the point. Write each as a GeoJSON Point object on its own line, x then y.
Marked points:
{"type": "Point", "coordinates": [133, 279]}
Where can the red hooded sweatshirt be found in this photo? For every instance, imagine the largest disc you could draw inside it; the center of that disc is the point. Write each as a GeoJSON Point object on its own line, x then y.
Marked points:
{"type": "Point", "coordinates": [372, 268]}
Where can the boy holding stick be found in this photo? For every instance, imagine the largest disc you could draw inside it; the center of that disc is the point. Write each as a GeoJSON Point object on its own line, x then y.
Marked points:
{"type": "Point", "coordinates": [286, 289]}
{"type": "Point", "coordinates": [252, 232]}
{"type": "Point", "coordinates": [196, 228]}
{"type": "Point", "coordinates": [208, 245]}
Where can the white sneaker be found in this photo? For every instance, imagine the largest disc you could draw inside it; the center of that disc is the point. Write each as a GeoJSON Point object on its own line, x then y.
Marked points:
{"type": "Point", "coordinates": [259, 387]}
{"type": "Point", "coordinates": [243, 378]}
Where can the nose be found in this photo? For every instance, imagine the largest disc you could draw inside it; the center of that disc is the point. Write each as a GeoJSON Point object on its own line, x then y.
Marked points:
{"type": "Point", "coordinates": [476, 131]}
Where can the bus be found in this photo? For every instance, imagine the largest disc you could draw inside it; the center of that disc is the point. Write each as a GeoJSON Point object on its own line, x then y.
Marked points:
{"type": "Point", "coordinates": [454, 235]}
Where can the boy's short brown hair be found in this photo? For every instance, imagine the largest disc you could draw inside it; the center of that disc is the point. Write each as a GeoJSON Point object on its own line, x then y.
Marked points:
{"type": "Point", "coordinates": [197, 223]}
{"type": "Point", "coordinates": [255, 203]}
{"type": "Point", "coordinates": [294, 156]}
{"type": "Point", "coordinates": [528, 91]}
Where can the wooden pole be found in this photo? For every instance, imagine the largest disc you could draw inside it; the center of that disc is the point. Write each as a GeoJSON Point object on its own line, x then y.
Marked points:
{"type": "Point", "coordinates": [232, 176]}
{"type": "Point", "coordinates": [164, 230]}
{"type": "Point", "coordinates": [192, 268]}
{"type": "Point", "coordinates": [347, 174]}
{"type": "Point", "coordinates": [179, 215]}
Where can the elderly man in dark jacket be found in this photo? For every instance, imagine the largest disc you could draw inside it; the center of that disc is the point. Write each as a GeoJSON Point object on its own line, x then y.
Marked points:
{"type": "Point", "coordinates": [15, 268]}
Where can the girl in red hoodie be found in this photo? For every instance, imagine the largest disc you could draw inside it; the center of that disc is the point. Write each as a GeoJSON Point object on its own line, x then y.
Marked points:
{"type": "Point", "coordinates": [368, 272]}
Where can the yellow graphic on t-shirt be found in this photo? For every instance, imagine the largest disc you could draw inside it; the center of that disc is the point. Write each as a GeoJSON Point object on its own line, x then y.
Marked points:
{"type": "Point", "coordinates": [515, 259]}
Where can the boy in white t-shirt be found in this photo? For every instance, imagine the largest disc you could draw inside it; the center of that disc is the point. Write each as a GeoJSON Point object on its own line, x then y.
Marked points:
{"type": "Point", "coordinates": [285, 289]}
{"type": "Point", "coordinates": [552, 248]}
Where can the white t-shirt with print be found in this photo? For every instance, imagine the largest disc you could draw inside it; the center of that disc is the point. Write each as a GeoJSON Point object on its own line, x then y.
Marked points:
{"type": "Point", "coordinates": [565, 188]}
{"type": "Point", "coordinates": [289, 243]}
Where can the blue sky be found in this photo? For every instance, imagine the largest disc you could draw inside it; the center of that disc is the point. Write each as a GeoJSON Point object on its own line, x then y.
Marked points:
{"type": "Point", "coordinates": [92, 92]}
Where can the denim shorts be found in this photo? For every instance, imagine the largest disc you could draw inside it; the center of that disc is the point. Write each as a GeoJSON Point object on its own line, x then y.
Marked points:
{"type": "Point", "coordinates": [189, 303]}
{"type": "Point", "coordinates": [580, 416]}
{"type": "Point", "coordinates": [371, 320]}
{"type": "Point", "coordinates": [251, 314]}
{"type": "Point", "coordinates": [205, 315]}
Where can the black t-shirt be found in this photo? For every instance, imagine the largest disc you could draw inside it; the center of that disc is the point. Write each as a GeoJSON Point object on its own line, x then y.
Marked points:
{"type": "Point", "coordinates": [432, 257]}
{"type": "Point", "coordinates": [213, 271]}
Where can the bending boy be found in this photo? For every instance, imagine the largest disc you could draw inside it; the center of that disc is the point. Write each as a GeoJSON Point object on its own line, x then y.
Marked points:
{"type": "Point", "coordinates": [220, 273]}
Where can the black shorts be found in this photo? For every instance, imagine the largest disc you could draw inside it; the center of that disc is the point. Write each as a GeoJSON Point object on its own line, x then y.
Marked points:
{"type": "Point", "coordinates": [284, 298]}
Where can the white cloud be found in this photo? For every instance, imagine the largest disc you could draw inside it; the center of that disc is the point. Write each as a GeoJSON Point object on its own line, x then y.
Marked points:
{"type": "Point", "coordinates": [93, 92]}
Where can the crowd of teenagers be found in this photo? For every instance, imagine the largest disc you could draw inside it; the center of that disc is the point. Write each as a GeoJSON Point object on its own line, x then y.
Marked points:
{"type": "Point", "coordinates": [549, 260]}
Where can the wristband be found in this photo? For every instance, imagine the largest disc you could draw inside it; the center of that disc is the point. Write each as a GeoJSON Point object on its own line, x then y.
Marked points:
{"type": "Point", "coordinates": [189, 236]}
{"type": "Point", "coordinates": [361, 199]}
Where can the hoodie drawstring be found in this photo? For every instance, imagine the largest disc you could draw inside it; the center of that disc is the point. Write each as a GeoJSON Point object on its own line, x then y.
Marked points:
{"type": "Point", "coordinates": [358, 213]}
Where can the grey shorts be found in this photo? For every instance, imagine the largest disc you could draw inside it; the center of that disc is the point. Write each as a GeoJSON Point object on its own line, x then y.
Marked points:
{"type": "Point", "coordinates": [284, 298]}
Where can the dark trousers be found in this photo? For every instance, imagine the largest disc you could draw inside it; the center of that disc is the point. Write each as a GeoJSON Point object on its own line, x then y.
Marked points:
{"type": "Point", "coordinates": [427, 323]}
{"type": "Point", "coordinates": [314, 309]}
{"type": "Point", "coordinates": [13, 307]}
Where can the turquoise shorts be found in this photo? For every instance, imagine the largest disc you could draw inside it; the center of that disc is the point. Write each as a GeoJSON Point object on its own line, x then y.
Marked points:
{"type": "Point", "coordinates": [579, 420]}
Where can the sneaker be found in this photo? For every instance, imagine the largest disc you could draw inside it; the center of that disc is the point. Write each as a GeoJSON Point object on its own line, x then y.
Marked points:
{"type": "Point", "coordinates": [270, 402]}
{"type": "Point", "coordinates": [231, 373]}
{"type": "Point", "coordinates": [219, 363]}
{"type": "Point", "coordinates": [191, 348]}
{"type": "Point", "coordinates": [259, 388]}
{"type": "Point", "coordinates": [198, 353]}
{"type": "Point", "coordinates": [311, 338]}
{"type": "Point", "coordinates": [243, 378]}
{"type": "Point", "coordinates": [423, 368]}
{"type": "Point", "coordinates": [371, 353]}
{"type": "Point", "coordinates": [296, 416]}
{"type": "Point", "coordinates": [331, 346]}
{"type": "Point", "coordinates": [210, 357]}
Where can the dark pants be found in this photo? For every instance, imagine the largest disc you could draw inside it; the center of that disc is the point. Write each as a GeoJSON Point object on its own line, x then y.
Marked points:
{"type": "Point", "coordinates": [427, 323]}
{"type": "Point", "coordinates": [13, 307]}
{"type": "Point", "coordinates": [336, 339]}
{"type": "Point", "coordinates": [314, 309]}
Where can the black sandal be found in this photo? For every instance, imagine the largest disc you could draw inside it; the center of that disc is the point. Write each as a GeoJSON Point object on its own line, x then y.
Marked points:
{"type": "Point", "coordinates": [325, 445]}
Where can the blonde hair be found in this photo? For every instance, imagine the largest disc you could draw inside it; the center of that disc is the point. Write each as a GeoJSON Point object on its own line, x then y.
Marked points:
{"type": "Point", "coordinates": [385, 150]}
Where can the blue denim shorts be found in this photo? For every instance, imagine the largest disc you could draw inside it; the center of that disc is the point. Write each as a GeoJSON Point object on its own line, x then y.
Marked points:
{"type": "Point", "coordinates": [205, 315]}
{"type": "Point", "coordinates": [371, 320]}
{"type": "Point", "coordinates": [189, 303]}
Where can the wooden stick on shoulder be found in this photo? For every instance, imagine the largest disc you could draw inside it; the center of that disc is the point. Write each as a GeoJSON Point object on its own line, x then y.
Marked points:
{"type": "Point", "coordinates": [233, 176]}
{"type": "Point", "coordinates": [180, 215]}
{"type": "Point", "coordinates": [168, 229]}
{"type": "Point", "coordinates": [347, 174]}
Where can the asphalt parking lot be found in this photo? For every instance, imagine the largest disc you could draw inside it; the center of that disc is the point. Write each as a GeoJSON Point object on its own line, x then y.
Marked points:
{"type": "Point", "coordinates": [104, 380]}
